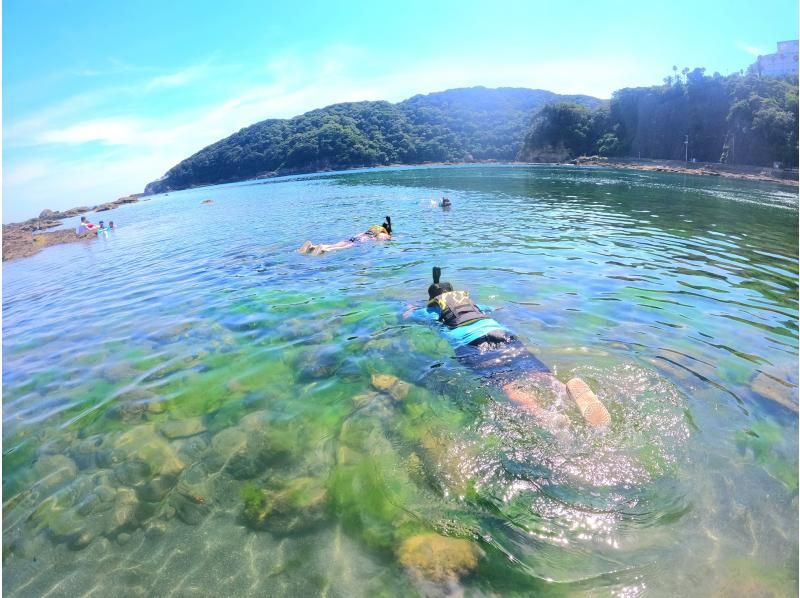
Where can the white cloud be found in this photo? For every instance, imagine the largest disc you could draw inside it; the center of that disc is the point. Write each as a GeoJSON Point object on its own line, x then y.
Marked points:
{"type": "Point", "coordinates": [146, 147]}
{"type": "Point", "coordinates": [178, 78]}
{"type": "Point", "coordinates": [25, 173]}
{"type": "Point", "coordinates": [110, 131]}
{"type": "Point", "coordinates": [752, 50]}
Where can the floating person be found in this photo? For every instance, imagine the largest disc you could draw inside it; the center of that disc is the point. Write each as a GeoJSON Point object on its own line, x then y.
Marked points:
{"type": "Point", "coordinates": [494, 353]}
{"type": "Point", "coordinates": [446, 204]}
{"type": "Point", "coordinates": [85, 226]}
{"type": "Point", "coordinates": [377, 232]}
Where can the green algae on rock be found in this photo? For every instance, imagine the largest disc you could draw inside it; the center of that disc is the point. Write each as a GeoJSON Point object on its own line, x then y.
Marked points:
{"type": "Point", "coordinates": [438, 558]}
{"type": "Point", "coordinates": [287, 507]}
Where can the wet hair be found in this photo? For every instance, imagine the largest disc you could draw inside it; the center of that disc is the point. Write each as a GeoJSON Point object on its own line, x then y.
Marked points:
{"type": "Point", "coordinates": [437, 288]}
{"type": "Point", "coordinates": [83, 218]}
{"type": "Point", "coordinates": [388, 225]}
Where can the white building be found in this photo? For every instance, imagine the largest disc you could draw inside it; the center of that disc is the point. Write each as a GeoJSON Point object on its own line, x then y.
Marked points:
{"type": "Point", "coordinates": [783, 62]}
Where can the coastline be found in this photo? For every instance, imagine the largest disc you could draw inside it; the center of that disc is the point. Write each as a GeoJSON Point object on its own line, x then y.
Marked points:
{"type": "Point", "coordinates": [753, 173]}
{"type": "Point", "coordinates": [748, 173]}
{"type": "Point", "coordinates": [24, 239]}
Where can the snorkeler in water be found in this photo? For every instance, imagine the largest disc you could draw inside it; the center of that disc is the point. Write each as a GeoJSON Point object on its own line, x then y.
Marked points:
{"type": "Point", "coordinates": [492, 352]}
{"type": "Point", "coordinates": [377, 232]}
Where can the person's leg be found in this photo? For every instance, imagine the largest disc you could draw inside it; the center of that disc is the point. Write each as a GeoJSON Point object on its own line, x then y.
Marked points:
{"type": "Point", "coordinates": [592, 410]}
{"type": "Point", "coordinates": [520, 393]}
{"type": "Point", "coordinates": [309, 247]}
{"type": "Point", "coordinates": [318, 249]}
{"type": "Point", "coordinates": [505, 362]}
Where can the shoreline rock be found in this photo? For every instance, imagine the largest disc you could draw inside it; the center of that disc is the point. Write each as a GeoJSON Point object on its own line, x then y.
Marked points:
{"type": "Point", "coordinates": [747, 173]}
{"type": "Point", "coordinates": [24, 239]}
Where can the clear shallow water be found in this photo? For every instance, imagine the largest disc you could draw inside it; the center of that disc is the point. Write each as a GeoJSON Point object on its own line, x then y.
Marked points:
{"type": "Point", "coordinates": [190, 406]}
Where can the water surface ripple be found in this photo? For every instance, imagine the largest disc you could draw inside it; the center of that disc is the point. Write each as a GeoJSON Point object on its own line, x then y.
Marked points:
{"type": "Point", "coordinates": [190, 407]}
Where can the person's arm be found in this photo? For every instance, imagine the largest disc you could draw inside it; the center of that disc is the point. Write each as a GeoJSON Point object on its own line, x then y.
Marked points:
{"type": "Point", "coordinates": [420, 313]}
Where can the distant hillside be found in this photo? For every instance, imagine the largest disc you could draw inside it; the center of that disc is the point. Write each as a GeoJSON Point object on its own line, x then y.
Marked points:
{"type": "Point", "coordinates": [739, 119]}
{"type": "Point", "coordinates": [455, 125]}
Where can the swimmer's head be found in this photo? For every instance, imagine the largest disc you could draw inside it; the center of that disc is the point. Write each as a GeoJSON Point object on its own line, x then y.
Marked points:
{"type": "Point", "coordinates": [437, 288]}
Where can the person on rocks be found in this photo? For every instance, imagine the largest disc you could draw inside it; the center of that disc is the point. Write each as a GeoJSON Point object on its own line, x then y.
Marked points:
{"type": "Point", "coordinates": [377, 232]}
{"type": "Point", "coordinates": [494, 353]}
{"type": "Point", "coordinates": [85, 226]}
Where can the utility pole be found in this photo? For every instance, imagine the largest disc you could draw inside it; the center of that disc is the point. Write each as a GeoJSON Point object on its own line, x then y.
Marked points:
{"type": "Point", "coordinates": [686, 144]}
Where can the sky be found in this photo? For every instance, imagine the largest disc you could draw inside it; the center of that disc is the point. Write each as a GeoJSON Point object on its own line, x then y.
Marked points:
{"type": "Point", "coordinates": [100, 98]}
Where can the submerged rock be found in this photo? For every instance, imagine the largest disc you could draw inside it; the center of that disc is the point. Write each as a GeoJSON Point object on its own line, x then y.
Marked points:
{"type": "Point", "coordinates": [54, 446]}
{"type": "Point", "coordinates": [53, 471]}
{"type": "Point", "coordinates": [132, 473]}
{"type": "Point", "coordinates": [775, 390]}
{"type": "Point", "coordinates": [438, 558]}
{"type": "Point", "coordinates": [156, 529]}
{"type": "Point", "coordinates": [90, 452]}
{"type": "Point", "coordinates": [297, 506]}
{"type": "Point", "coordinates": [123, 514]}
{"type": "Point", "coordinates": [182, 428]}
{"type": "Point", "coordinates": [145, 445]}
{"type": "Point", "coordinates": [128, 412]}
{"type": "Point", "coordinates": [321, 365]}
{"type": "Point", "coordinates": [156, 489]}
{"type": "Point", "coordinates": [383, 382]}
{"type": "Point", "coordinates": [245, 455]}
{"type": "Point", "coordinates": [191, 449]}
{"type": "Point", "coordinates": [190, 509]}
{"type": "Point", "coordinates": [391, 385]}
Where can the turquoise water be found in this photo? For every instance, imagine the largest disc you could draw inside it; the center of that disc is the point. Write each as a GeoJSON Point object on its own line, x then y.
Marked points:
{"type": "Point", "coordinates": [191, 407]}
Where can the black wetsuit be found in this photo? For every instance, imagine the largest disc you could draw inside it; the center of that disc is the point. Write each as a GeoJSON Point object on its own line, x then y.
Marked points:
{"type": "Point", "coordinates": [494, 354]}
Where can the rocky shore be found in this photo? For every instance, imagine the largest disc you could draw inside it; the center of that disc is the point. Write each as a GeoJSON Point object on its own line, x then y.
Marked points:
{"type": "Point", "coordinates": [23, 239]}
{"type": "Point", "coordinates": [751, 173]}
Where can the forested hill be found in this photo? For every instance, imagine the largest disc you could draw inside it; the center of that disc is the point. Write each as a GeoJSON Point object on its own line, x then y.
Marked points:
{"type": "Point", "coordinates": [455, 125]}
{"type": "Point", "coordinates": [738, 119]}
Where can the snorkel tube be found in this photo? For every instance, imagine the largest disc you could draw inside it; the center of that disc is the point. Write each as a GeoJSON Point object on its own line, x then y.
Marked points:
{"type": "Point", "coordinates": [437, 289]}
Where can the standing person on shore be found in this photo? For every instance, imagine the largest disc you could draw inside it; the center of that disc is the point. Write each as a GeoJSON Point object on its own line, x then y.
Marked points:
{"type": "Point", "coordinates": [84, 226]}
{"type": "Point", "coordinates": [377, 232]}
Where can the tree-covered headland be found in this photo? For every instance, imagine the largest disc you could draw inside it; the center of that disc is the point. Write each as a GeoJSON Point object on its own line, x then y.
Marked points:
{"type": "Point", "coordinates": [738, 119]}
{"type": "Point", "coordinates": [458, 125]}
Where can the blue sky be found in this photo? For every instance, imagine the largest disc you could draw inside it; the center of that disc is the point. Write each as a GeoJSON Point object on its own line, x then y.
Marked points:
{"type": "Point", "coordinates": [100, 97]}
